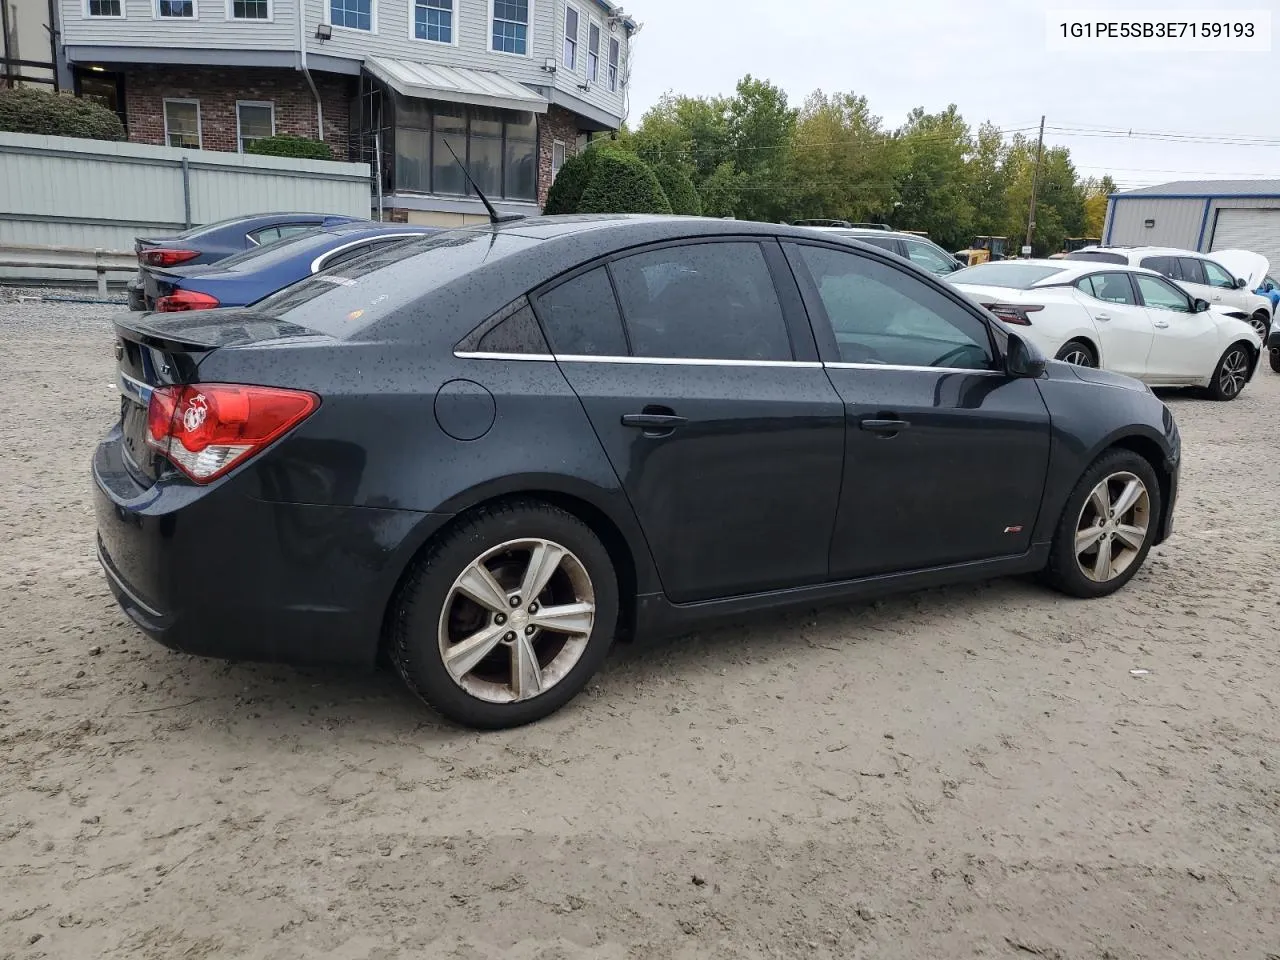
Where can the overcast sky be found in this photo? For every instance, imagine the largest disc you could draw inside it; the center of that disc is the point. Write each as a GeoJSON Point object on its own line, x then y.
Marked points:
{"type": "Point", "coordinates": [990, 58]}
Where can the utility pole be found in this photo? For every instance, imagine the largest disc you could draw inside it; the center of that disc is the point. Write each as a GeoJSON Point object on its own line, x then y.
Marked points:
{"type": "Point", "coordinates": [1035, 186]}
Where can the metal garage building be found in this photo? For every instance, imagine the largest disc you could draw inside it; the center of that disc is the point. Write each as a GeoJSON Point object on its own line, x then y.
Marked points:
{"type": "Point", "coordinates": [1202, 215]}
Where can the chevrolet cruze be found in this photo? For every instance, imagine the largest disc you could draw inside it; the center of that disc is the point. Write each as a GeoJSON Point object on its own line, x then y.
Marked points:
{"type": "Point", "coordinates": [487, 453]}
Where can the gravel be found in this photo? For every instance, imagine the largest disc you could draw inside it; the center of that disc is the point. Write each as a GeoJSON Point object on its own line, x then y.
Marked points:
{"type": "Point", "coordinates": [963, 772]}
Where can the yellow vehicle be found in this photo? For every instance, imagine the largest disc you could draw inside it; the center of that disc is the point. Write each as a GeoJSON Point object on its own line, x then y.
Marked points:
{"type": "Point", "coordinates": [982, 250]}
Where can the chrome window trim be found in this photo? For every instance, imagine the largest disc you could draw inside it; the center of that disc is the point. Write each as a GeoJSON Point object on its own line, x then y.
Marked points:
{"type": "Point", "coordinates": [840, 365]}
{"type": "Point", "coordinates": [485, 355]}
{"type": "Point", "coordinates": [687, 361]}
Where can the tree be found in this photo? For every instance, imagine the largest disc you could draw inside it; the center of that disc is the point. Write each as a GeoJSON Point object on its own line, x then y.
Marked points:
{"type": "Point", "coordinates": [1097, 195]}
{"type": "Point", "coordinates": [679, 189]}
{"type": "Point", "coordinates": [721, 192]}
{"type": "Point", "coordinates": [565, 195]}
{"type": "Point", "coordinates": [986, 182]}
{"type": "Point", "coordinates": [25, 110]}
{"type": "Point", "coordinates": [691, 133]}
{"type": "Point", "coordinates": [761, 127]}
{"type": "Point", "coordinates": [622, 183]}
{"type": "Point", "coordinates": [841, 162]}
{"type": "Point", "coordinates": [932, 185]}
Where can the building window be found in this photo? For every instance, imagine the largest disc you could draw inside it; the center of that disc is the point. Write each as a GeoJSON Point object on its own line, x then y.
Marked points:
{"type": "Point", "coordinates": [253, 122]}
{"type": "Point", "coordinates": [499, 147]}
{"type": "Point", "coordinates": [353, 14]}
{"type": "Point", "coordinates": [557, 159]}
{"type": "Point", "coordinates": [433, 20]}
{"type": "Point", "coordinates": [181, 9]}
{"type": "Point", "coordinates": [593, 52]}
{"type": "Point", "coordinates": [105, 8]}
{"type": "Point", "coordinates": [250, 9]}
{"type": "Point", "coordinates": [510, 26]}
{"type": "Point", "coordinates": [570, 39]}
{"type": "Point", "coordinates": [182, 123]}
{"type": "Point", "coordinates": [615, 50]}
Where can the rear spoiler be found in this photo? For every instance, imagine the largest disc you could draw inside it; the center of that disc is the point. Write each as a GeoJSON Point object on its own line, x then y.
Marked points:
{"type": "Point", "coordinates": [199, 331]}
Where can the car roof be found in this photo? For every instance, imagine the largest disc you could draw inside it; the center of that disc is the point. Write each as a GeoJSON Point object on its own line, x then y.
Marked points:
{"type": "Point", "coordinates": [868, 232]}
{"type": "Point", "coordinates": [1068, 270]}
{"type": "Point", "coordinates": [374, 229]}
{"type": "Point", "coordinates": [1145, 251]}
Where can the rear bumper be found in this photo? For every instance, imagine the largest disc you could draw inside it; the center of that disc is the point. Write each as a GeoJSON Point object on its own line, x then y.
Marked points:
{"type": "Point", "coordinates": [217, 572]}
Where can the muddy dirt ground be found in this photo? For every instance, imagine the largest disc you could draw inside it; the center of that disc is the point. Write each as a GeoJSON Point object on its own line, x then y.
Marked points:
{"type": "Point", "coordinates": [960, 773]}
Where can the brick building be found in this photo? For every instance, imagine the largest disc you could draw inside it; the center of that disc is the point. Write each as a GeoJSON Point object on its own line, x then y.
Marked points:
{"type": "Point", "coordinates": [511, 86]}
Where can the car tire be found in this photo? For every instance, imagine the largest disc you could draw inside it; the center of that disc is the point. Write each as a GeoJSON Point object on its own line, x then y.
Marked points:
{"type": "Point", "coordinates": [1232, 372]}
{"type": "Point", "coordinates": [1079, 353]}
{"type": "Point", "coordinates": [1275, 359]}
{"type": "Point", "coordinates": [531, 669]}
{"type": "Point", "coordinates": [1080, 572]}
{"type": "Point", "coordinates": [1261, 323]}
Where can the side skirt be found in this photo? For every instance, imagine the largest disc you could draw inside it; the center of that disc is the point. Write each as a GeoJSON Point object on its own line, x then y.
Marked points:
{"type": "Point", "coordinates": [657, 617]}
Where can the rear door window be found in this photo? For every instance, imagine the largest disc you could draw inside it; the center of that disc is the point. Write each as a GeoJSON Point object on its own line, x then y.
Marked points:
{"type": "Point", "coordinates": [702, 301]}
{"type": "Point", "coordinates": [1191, 270]}
{"type": "Point", "coordinates": [1109, 287]}
{"type": "Point", "coordinates": [581, 318]}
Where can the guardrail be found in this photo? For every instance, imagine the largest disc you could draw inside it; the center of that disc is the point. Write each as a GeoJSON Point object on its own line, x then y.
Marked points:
{"type": "Point", "coordinates": [101, 262]}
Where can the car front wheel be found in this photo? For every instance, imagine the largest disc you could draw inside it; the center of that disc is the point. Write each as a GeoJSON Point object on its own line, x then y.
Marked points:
{"type": "Point", "coordinates": [1275, 359]}
{"type": "Point", "coordinates": [1107, 526]}
{"type": "Point", "coordinates": [1261, 323]}
{"type": "Point", "coordinates": [1232, 373]}
{"type": "Point", "coordinates": [506, 617]}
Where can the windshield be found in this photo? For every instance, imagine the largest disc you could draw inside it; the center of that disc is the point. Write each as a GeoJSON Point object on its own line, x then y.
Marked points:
{"type": "Point", "coordinates": [204, 228]}
{"type": "Point", "coordinates": [286, 248]}
{"type": "Point", "coordinates": [1017, 276]}
{"type": "Point", "coordinates": [348, 298]}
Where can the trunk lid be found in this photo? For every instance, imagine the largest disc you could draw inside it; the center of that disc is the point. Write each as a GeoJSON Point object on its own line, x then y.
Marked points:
{"type": "Point", "coordinates": [155, 350]}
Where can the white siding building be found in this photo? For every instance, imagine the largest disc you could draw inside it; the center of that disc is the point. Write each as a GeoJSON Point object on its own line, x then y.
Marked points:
{"type": "Point", "coordinates": [512, 86]}
{"type": "Point", "coordinates": [1202, 215]}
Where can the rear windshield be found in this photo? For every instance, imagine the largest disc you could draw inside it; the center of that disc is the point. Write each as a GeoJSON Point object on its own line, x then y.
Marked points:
{"type": "Point", "coordinates": [1018, 276]}
{"type": "Point", "coordinates": [204, 228]}
{"type": "Point", "coordinates": [282, 250]}
{"type": "Point", "coordinates": [1097, 256]}
{"type": "Point", "coordinates": [346, 299]}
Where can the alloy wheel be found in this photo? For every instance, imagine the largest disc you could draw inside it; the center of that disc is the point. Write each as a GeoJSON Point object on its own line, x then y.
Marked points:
{"type": "Point", "coordinates": [1234, 373]}
{"type": "Point", "coordinates": [1261, 326]}
{"type": "Point", "coordinates": [1112, 527]}
{"type": "Point", "coordinates": [1079, 357]}
{"type": "Point", "coordinates": [516, 620]}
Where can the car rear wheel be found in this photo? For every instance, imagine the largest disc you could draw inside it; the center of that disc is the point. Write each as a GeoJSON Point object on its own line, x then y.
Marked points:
{"type": "Point", "coordinates": [1261, 323]}
{"type": "Point", "coordinates": [1079, 353]}
{"type": "Point", "coordinates": [1275, 359]}
{"type": "Point", "coordinates": [1107, 526]}
{"type": "Point", "coordinates": [1232, 373]}
{"type": "Point", "coordinates": [505, 618]}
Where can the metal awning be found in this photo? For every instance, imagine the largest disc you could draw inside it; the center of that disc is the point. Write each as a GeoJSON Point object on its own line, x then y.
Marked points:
{"type": "Point", "coordinates": [454, 84]}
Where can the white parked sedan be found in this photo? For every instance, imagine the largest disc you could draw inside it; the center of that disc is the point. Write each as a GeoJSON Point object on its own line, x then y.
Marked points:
{"type": "Point", "coordinates": [1120, 318]}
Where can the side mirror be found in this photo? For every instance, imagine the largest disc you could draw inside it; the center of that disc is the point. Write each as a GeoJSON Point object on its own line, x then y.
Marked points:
{"type": "Point", "coordinates": [1022, 359]}
{"type": "Point", "coordinates": [1200, 306]}
{"type": "Point", "coordinates": [1241, 283]}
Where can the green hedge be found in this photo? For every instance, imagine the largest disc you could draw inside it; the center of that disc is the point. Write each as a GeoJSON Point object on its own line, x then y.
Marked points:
{"type": "Point", "coordinates": [571, 182]}
{"type": "Point", "coordinates": [25, 110]}
{"type": "Point", "coordinates": [680, 191]}
{"type": "Point", "coordinates": [287, 145]}
{"type": "Point", "coordinates": [622, 183]}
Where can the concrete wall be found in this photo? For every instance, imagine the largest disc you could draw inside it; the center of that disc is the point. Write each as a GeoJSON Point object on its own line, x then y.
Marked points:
{"type": "Point", "coordinates": [61, 191]}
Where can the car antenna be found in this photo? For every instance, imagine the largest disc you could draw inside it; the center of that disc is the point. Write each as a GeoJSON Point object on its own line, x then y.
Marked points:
{"type": "Point", "coordinates": [494, 216]}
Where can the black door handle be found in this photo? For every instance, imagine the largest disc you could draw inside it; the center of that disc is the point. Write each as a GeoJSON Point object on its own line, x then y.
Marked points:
{"type": "Point", "coordinates": [655, 421]}
{"type": "Point", "coordinates": [660, 421]}
{"type": "Point", "coordinates": [888, 428]}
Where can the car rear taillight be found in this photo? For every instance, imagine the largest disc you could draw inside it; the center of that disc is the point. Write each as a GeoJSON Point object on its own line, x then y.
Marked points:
{"type": "Point", "coordinates": [1016, 313]}
{"type": "Point", "coordinates": [208, 428]}
{"type": "Point", "coordinates": [163, 257]}
{"type": "Point", "coordinates": [185, 300]}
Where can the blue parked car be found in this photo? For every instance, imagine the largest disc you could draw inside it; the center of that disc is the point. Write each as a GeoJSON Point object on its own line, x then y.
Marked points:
{"type": "Point", "coordinates": [248, 277]}
{"type": "Point", "coordinates": [211, 242]}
